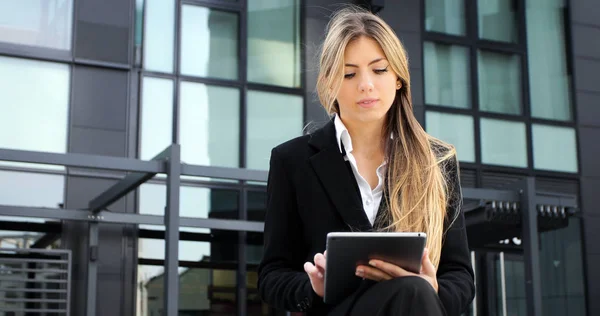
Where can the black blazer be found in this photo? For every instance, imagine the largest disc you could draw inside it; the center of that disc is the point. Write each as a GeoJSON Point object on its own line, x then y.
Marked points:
{"type": "Point", "coordinates": [310, 193]}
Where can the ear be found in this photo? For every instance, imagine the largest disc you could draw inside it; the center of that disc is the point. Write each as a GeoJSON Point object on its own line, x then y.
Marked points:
{"type": "Point", "coordinates": [398, 84]}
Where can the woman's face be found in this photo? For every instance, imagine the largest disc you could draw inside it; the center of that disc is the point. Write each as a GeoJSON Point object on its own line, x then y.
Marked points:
{"type": "Point", "coordinates": [369, 85]}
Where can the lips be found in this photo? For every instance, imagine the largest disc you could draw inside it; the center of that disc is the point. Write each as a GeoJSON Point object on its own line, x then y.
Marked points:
{"type": "Point", "coordinates": [367, 103]}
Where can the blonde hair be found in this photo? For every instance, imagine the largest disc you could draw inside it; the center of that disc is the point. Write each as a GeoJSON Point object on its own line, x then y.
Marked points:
{"type": "Point", "coordinates": [418, 180]}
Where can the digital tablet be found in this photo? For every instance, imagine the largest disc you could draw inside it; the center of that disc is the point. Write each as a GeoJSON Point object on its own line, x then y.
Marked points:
{"type": "Point", "coordinates": [345, 251]}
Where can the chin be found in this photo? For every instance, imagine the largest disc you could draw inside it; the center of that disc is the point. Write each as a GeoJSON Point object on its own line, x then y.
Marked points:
{"type": "Point", "coordinates": [371, 116]}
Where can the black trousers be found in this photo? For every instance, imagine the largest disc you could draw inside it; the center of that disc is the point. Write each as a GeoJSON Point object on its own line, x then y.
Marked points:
{"type": "Point", "coordinates": [406, 296]}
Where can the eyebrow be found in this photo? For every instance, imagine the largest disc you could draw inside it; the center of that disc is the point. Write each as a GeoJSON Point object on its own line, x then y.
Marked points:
{"type": "Point", "coordinates": [372, 62]}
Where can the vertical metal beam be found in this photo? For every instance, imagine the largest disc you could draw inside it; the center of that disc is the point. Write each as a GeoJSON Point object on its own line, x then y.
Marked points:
{"type": "Point", "coordinates": [503, 283]}
{"type": "Point", "coordinates": [242, 305]}
{"type": "Point", "coordinates": [533, 281]}
{"type": "Point", "coordinates": [92, 272]}
{"type": "Point", "coordinates": [171, 281]}
{"type": "Point", "coordinates": [474, 265]}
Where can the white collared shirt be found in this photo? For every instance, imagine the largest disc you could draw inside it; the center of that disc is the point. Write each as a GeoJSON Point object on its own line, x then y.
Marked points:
{"type": "Point", "coordinates": [370, 198]}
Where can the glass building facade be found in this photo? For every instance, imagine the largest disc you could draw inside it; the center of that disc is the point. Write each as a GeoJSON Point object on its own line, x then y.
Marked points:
{"type": "Point", "coordinates": [510, 83]}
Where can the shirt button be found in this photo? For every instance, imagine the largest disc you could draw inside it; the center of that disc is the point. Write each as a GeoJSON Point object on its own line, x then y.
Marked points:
{"type": "Point", "coordinates": [369, 201]}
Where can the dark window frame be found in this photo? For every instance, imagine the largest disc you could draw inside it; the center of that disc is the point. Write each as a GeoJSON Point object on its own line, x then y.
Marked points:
{"type": "Point", "coordinates": [240, 8]}
{"type": "Point", "coordinates": [473, 43]}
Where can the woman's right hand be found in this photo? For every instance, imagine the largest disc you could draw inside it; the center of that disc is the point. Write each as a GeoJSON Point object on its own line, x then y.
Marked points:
{"type": "Point", "coordinates": [316, 273]}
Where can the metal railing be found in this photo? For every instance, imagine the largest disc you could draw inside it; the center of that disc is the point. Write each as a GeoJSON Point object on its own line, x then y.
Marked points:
{"type": "Point", "coordinates": [522, 197]}
{"type": "Point", "coordinates": [35, 281]}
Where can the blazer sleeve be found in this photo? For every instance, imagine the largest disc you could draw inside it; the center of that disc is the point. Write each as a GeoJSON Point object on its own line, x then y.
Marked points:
{"type": "Point", "coordinates": [282, 281]}
{"type": "Point", "coordinates": [455, 277]}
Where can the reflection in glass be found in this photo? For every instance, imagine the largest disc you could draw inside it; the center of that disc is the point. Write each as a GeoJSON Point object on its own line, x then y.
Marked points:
{"type": "Point", "coordinates": [274, 42]}
{"type": "Point", "coordinates": [445, 16]}
{"type": "Point", "coordinates": [18, 239]}
{"type": "Point", "coordinates": [201, 291]}
{"type": "Point", "coordinates": [273, 118]}
{"type": "Point", "coordinates": [34, 106]}
{"type": "Point", "coordinates": [254, 252]}
{"type": "Point", "coordinates": [503, 143]}
{"type": "Point", "coordinates": [497, 20]}
{"type": "Point", "coordinates": [209, 125]}
{"type": "Point", "coordinates": [31, 189]}
{"type": "Point", "coordinates": [209, 43]}
{"type": "Point", "coordinates": [139, 21]}
{"type": "Point", "coordinates": [156, 116]}
{"type": "Point", "coordinates": [45, 23]}
{"type": "Point", "coordinates": [499, 82]}
{"type": "Point", "coordinates": [447, 80]}
{"type": "Point", "coordinates": [561, 269]}
{"type": "Point", "coordinates": [159, 35]}
{"type": "Point", "coordinates": [454, 129]}
{"type": "Point", "coordinates": [549, 81]}
{"type": "Point", "coordinates": [516, 300]}
{"type": "Point", "coordinates": [194, 202]}
{"type": "Point", "coordinates": [207, 283]}
{"type": "Point", "coordinates": [554, 148]}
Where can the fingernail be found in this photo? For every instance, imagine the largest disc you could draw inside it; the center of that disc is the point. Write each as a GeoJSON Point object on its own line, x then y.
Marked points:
{"type": "Point", "coordinates": [373, 263]}
{"type": "Point", "coordinates": [360, 272]}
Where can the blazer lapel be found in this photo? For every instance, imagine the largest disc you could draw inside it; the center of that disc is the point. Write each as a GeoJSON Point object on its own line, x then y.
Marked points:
{"type": "Point", "coordinates": [329, 165]}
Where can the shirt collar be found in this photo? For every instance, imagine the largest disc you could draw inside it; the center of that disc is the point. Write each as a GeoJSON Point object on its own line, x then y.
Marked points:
{"type": "Point", "coordinates": [342, 135]}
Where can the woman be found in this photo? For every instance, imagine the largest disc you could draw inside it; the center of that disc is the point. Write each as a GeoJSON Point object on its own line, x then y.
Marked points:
{"type": "Point", "coordinates": [372, 167]}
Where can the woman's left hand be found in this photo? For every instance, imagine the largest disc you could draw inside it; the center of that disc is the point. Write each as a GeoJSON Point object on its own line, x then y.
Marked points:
{"type": "Point", "coordinates": [378, 270]}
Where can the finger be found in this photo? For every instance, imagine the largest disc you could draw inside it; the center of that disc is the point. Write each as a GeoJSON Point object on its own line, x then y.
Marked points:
{"type": "Point", "coordinates": [390, 268]}
{"type": "Point", "coordinates": [372, 273]}
{"type": "Point", "coordinates": [428, 267]}
{"type": "Point", "coordinates": [312, 271]}
{"type": "Point", "coordinates": [320, 262]}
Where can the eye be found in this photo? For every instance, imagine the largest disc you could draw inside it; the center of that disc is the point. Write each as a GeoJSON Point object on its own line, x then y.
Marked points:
{"type": "Point", "coordinates": [380, 71]}
{"type": "Point", "coordinates": [349, 76]}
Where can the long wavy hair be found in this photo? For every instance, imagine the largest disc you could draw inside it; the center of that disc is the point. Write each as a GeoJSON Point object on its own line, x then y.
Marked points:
{"type": "Point", "coordinates": [418, 185]}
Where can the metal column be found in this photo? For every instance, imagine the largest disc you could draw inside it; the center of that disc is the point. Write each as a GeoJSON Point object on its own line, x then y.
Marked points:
{"type": "Point", "coordinates": [533, 281]}
{"type": "Point", "coordinates": [92, 269]}
{"type": "Point", "coordinates": [171, 281]}
{"type": "Point", "coordinates": [241, 293]}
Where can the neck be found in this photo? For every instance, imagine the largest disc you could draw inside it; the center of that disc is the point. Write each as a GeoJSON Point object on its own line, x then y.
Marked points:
{"type": "Point", "coordinates": [363, 135]}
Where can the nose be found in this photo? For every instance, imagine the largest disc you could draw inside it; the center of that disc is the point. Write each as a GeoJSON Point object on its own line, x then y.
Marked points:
{"type": "Point", "coordinates": [365, 84]}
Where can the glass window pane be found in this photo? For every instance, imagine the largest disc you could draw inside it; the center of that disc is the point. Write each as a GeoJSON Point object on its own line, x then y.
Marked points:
{"type": "Point", "coordinates": [31, 189]}
{"type": "Point", "coordinates": [445, 16]}
{"type": "Point", "coordinates": [447, 80]}
{"type": "Point", "coordinates": [497, 20]}
{"type": "Point", "coordinates": [561, 267]}
{"type": "Point", "coordinates": [273, 118]}
{"type": "Point", "coordinates": [139, 21]}
{"type": "Point", "coordinates": [159, 35]}
{"type": "Point", "coordinates": [46, 23]}
{"type": "Point", "coordinates": [554, 148]}
{"type": "Point", "coordinates": [254, 253]}
{"type": "Point", "coordinates": [549, 82]}
{"type": "Point", "coordinates": [208, 290]}
{"type": "Point", "coordinates": [503, 143]}
{"type": "Point", "coordinates": [34, 106]}
{"type": "Point", "coordinates": [194, 202]}
{"type": "Point", "coordinates": [202, 291]}
{"type": "Point", "coordinates": [454, 129]}
{"type": "Point", "coordinates": [156, 116]}
{"type": "Point", "coordinates": [209, 43]}
{"type": "Point", "coordinates": [274, 42]}
{"type": "Point", "coordinates": [209, 125]}
{"type": "Point", "coordinates": [499, 82]}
